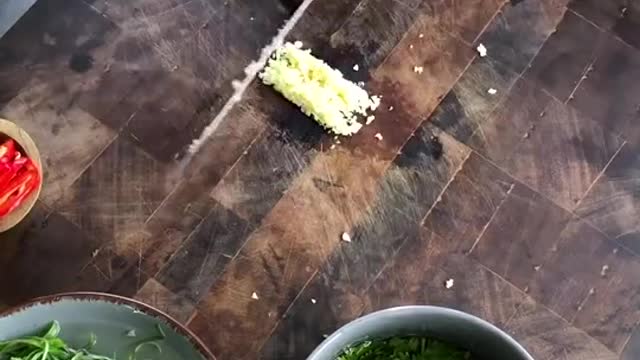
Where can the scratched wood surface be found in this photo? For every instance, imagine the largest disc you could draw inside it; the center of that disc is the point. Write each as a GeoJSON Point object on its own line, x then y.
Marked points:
{"type": "Point", "coordinates": [526, 196]}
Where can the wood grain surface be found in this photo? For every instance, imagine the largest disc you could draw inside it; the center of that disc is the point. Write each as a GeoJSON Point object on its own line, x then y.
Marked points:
{"type": "Point", "coordinates": [515, 174]}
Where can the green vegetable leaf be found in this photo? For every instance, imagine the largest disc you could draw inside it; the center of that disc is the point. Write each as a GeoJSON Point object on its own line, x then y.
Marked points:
{"type": "Point", "coordinates": [404, 348]}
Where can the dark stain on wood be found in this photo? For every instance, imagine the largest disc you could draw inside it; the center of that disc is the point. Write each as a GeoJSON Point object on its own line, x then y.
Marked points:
{"type": "Point", "coordinates": [81, 62]}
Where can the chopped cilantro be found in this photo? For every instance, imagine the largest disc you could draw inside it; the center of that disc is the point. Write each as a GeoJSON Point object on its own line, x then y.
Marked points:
{"type": "Point", "coordinates": [404, 348]}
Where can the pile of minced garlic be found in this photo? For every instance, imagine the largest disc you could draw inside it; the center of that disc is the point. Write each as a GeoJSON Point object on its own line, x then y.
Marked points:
{"type": "Point", "coordinates": [319, 90]}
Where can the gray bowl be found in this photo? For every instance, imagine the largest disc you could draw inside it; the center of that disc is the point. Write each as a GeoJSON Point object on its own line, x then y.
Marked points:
{"type": "Point", "coordinates": [483, 340]}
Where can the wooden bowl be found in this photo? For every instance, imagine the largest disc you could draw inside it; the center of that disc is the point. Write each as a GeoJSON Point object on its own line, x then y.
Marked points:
{"type": "Point", "coordinates": [27, 147]}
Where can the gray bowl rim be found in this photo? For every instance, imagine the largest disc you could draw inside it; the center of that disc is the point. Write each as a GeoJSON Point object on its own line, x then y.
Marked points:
{"type": "Point", "coordinates": [147, 309]}
{"type": "Point", "coordinates": [417, 310]}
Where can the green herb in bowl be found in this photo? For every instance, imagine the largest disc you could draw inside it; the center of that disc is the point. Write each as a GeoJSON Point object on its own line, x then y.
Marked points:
{"type": "Point", "coordinates": [404, 348]}
{"type": "Point", "coordinates": [51, 347]}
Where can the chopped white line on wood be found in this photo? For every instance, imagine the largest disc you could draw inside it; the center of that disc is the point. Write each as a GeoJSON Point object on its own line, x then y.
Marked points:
{"type": "Point", "coordinates": [254, 296]}
{"type": "Point", "coordinates": [378, 136]}
{"type": "Point", "coordinates": [251, 71]}
{"type": "Point", "coordinates": [492, 91]}
{"type": "Point", "coordinates": [346, 237]}
{"type": "Point", "coordinates": [356, 67]}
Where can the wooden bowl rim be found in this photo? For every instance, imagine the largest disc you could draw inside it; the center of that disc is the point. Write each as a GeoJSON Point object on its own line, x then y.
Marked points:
{"type": "Point", "coordinates": [22, 138]}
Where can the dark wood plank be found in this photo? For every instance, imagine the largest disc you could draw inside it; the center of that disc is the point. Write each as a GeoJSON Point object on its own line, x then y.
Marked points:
{"type": "Point", "coordinates": [36, 250]}
{"type": "Point", "coordinates": [374, 29]}
{"type": "Point", "coordinates": [442, 58]}
{"type": "Point", "coordinates": [463, 19]}
{"type": "Point", "coordinates": [116, 195]}
{"type": "Point", "coordinates": [547, 336]}
{"type": "Point", "coordinates": [517, 33]}
{"type": "Point", "coordinates": [567, 150]}
{"type": "Point", "coordinates": [612, 204]}
{"type": "Point", "coordinates": [608, 95]}
{"type": "Point", "coordinates": [566, 56]}
{"type": "Point", "coordinates": [609, 310]}
{"type": "Point", "coordinates": [202, 258]}
{"type": "Point", "coordinates": [621, 17]}
{"type": "Point", "coordinates": [469, 204]}
{"type": "Point", "coordinates": [469, 102]}
{"type": "Point", "coordinates": [547, 145]}
{"type": "Point", "coordinates": [521, 235]}
{"type": "Point", "coordinates": [145, 250]}
{"type": "Point", "coordinates": [261, 176]}
{"type": "Point", "coordinates": [501, 133]}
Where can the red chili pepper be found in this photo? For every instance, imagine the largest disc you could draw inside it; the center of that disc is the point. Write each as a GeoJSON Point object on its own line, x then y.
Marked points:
{"type": "Point", "coordinates": [7, 151]}
{"type": "Point", "coordinates": [8, 170]}
{"type": "Point", "coordinates": [23, 184]}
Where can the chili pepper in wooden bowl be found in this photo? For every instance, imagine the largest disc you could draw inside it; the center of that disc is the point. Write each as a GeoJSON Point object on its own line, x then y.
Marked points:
{"type": "Point", "coordinates": [20, 174]}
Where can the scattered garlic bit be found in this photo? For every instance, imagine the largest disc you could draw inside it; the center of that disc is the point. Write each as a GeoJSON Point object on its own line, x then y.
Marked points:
{"type": "Point", "coordinates": [448, 284]}
{"type": "Point", "coordinates": [537, 268]}
{"type": "Point", "coordinates": [604, 270]}
{"type": "Point", "coordinates": [333, 146]}
{"type": "Point", "coordinates": [421, 36]}
{"type": "Point", "coordinates": [95, 253]}
{"type": "Point", "coordinates": [378, 136]}
{"type": "Point", "coordinates": [482, 51]}
{"type": "Point", "coordinates": [298, 44]}
{"type": "Point", "coordinates": [254, 296]}
{"type": "Point", "coordinates": [252, 18]}
{"type": "Point", "coordinates": [375, 102]}
{"type": "Point", "coordinates": [418, 69]}
{"type": "Point", "coordinates": [319, 90]}
{"type": "Point", "coordinates": [313, 301]}
{"type": "Point", "coordinates": [410, 46]}
{"type": "Point", "coordinates": [370, 119]}
{"type": "Point", "coordinates": [592, 291]}
{"type": "Point", "coordinates": [360, 83]}
{"type": "Point", "coordinates": [346, 237]}
{"type": "Point", "coordinates": [356, 67]}
{"type": "Point", "coordinates": [390, 108]}
{"type": "Point", "coordinates": [492, 91]}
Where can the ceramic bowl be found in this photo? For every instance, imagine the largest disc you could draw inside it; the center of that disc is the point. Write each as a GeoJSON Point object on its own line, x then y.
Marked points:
{"type": "Point", "coordinates": [118, 323]}
{"type": "Point", "coordinates": [28, 147]}
{"type": "Point", "coordinates": [483, 340]}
